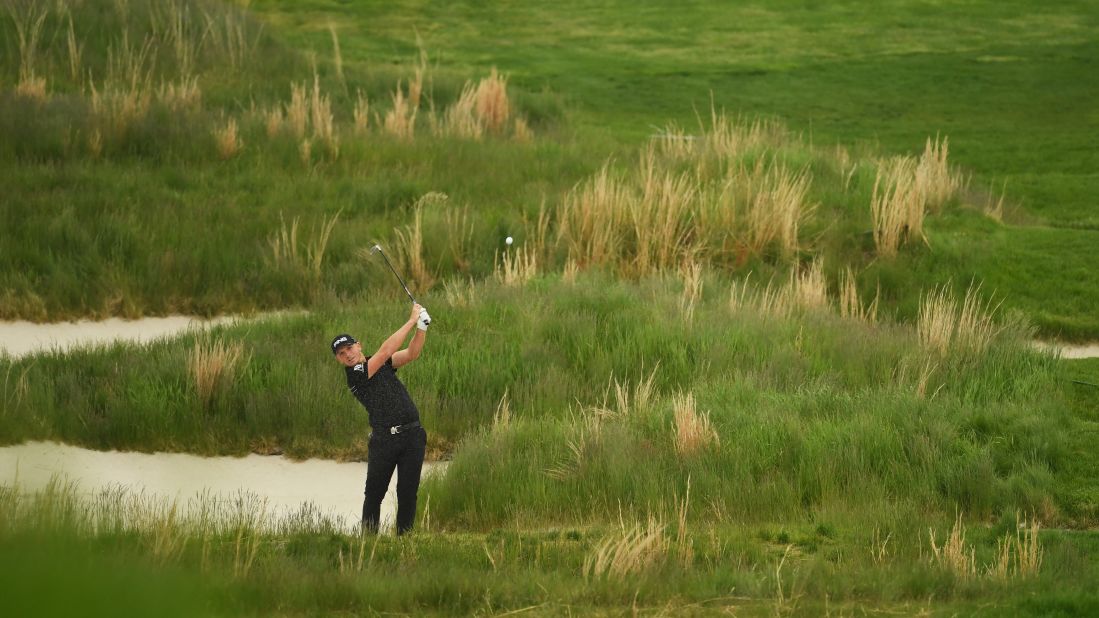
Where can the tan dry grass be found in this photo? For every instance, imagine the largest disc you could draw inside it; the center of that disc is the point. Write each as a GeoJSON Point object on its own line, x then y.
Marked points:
{"type": "Point", "coordinates": [590, 217]}
{"type": "Point", "coordinates": [693, 430]}
{"type": "Point", "coordinates": [400, 120]}
{"type": "Point", "coordinates": [337, 57]}
{"type": "Point", "coordinates": [1029, 552]}
{"type": "Point", "coordinates": [460, 292]}
{"type": "Point", "coordinates": [297, 111]}
{"type": "Point", "coordinates": [942, 325]}
{"type": "Point", "coordinates": [776, 209]}
{"type": "Point", "coordinates": [516, 266]}
{"type": "Point", "coordinates": [674, 143]}
{"type": "Point", "coordinates": [937, 320]}
{"type": "Point", "coordinates": [459, 225]}
{"type": "Point", "coordinates": [807, 288]}
{"type": "Point", "coordinates": [410, 248]}
{"type": "Point", "coordinates": [691, 275]}
{"type": "Point", "coordinates": [285, 246]}
{"type": "Point", "coordinates": [897, 206]}
{"type": "Point", "coordinates": [492, 104]}
{"type": "Point", "coordinates": [851, 306]}
{"type": "Point", "coordinates": [305, 152]}
{"type": "Point", "coordinates": [362, 114]}
{"type": "Point", "coordinates": [32, 87]}
{"type": "Point", "coordinates": [95, 143]}
{"type": "Point", "coordinates": [570, 270]}
{"type": "Point", "coordinates": [29, 19]}
{"type": "Point", "coordinates": [324, 127]}
{"type": "Point", "coordinates": [460, 119]}
{"type": "Point", "coordinates": [627, 552]}
{"type": "Point", "coordinates": [227, 138]}
{"type": "Point", "coordinates": [976, 327]}
{"type": "Point", "coordinates": [228, 32]}
{"type": "Point", "coordinates": [934, 180]}
{"type": "Point", "coordinates": [660, 221]}
{"type": "Point", "coordinates": [75, 51]}
{"type": "Point", "coordinates": [728, 139]}
{"type": "Point", "coordinates": [183, 95]}
{"type": "Point", "coordinates": [502, 417]}
{"type": "Point", "coordinates": [212, 364]}
{"type": "Point", "coordinates": [954, 555]}
{"type": "Point", "coordinates": [273, 121]}
{"type": "Point", "coordinates": [522, 131]}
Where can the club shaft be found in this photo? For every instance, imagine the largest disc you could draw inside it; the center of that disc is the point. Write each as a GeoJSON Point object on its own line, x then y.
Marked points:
{"type": "Point", "coordinates": [395, 274]}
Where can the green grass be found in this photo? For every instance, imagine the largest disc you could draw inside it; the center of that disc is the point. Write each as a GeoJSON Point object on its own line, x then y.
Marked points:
{"type": "Point", "coordinates": [189, 566]}
{"type": "Point", "coordinates": [1012, 96]}
{"type": "Point", "coordinates": [593, 82]}
{"type": "Point", "coordinates": [828, 439]}
{"type": "Point", "coordinates": [813, 410]}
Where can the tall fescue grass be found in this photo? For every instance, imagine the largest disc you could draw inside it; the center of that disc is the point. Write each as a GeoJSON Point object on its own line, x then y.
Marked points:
{"type": "Point", "coordinates": [1018, 554]}
{"type": "Point", "coordinates": [905, 189]}
{"type": "Point", "coordinates": [804, 290]}
{"type": "Point", "coordinates": [516, 267]}
{"type": "Point", "coordinates": [122, 73]}
{"type": "Point", "coordinates": [213, 365]}
{"type": "Point", "coordinates": [306, 255]}
{"type": "Point", "coordinates": [228, 139]}
{"type": "Point", "coordinates": [942, 324]}
{"type": "Point", "coordinates": [627, 552]}
{"type": "Point", "coordinates": [693, 430]}
{"type": "Point", "coordinates": [851, 305]}
{"type": "Point", "coordinates": [954, 554]}
{"type": "Point", "coordinates": [410, 248]}
{"type": "Point", "coordinates": [210, 556]}
{"type": "Point", "coordinates": [400, 120]}
{"type": "Point", "coordinates": [691, 274]}
{"type": "Point", "coordinates": [580, 335]}
{"type": "Point", "coordinates": [740, 194]}
{"type": "Point", "coordinates": [721, 197]}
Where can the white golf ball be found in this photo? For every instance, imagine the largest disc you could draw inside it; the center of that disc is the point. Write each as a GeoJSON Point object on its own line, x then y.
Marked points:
{"type": "Point", "coordinates": [508, 240]}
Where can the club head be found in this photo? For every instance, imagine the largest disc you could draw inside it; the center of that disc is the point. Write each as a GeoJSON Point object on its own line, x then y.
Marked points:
{"type": "Point", "coordinates": [375, 249]}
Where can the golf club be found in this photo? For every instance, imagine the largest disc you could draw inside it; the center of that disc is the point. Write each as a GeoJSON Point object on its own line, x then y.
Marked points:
{"type": "Point", "coordinates": [378, 249]}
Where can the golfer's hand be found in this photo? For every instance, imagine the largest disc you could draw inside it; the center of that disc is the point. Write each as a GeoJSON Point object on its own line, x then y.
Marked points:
{"type": "Point", "coordinates": [424, 320]}
{"type": "Point", "coordinates": [415, 315]}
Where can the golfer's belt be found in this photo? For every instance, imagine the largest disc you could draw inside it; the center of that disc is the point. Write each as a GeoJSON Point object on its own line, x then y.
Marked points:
{"type": "Point", "coordinates": [396, 429]}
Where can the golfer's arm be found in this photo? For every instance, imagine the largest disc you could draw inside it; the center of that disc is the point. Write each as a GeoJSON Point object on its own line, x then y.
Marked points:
{"type": "Point", "coordinates": [412, 352]}
{"type": "Point", "coordinates": [389, 348]}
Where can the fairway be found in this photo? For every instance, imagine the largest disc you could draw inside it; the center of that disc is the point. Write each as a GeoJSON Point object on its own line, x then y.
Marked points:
{"type": "Point", "coordinates": [745, 308]}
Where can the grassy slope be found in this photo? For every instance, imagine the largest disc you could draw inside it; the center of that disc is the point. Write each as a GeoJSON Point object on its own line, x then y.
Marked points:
{"type": "Point", "coordinates": [180, 566]}
{"type": "Point", "coordinates": [1005, 82]}
{"type": "Point", "coordinates": [624, 70]}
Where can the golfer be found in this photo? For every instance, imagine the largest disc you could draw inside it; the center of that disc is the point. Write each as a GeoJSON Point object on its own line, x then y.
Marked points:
{"type": "Point", "coordinates": [396, 439]}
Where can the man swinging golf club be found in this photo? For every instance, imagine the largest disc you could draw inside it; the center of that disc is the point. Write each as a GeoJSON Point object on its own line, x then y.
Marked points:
{"type": "Point", "coordinates": [396, 440]}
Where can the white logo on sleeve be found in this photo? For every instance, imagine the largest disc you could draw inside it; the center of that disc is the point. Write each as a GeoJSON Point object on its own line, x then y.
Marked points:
{"type": "Point", "coordinates": [359, 367]}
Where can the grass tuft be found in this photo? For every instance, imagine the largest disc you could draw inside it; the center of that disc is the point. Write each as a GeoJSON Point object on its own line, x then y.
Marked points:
{"type": "Point", "coordinates": [954, 555]}
{"type": "Point", "coordinates": [213, 365]}
{"type": "Point", "coordinates": [627, 552]}
{"type": "Point", "coordinates": [693, 430]}
{"type": "Point", "coordinates": [942, 325]}
{"type": "Point", "coordinates": [228, 140]}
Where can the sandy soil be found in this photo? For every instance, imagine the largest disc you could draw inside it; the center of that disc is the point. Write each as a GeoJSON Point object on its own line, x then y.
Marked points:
{"type": "Point", "coordinates": [1080, 351]}
{"type": "Point", "coordinates": [22, 338]}
{"type": "Point", "coordinates": [331, 487]}
{"type": "Point", "coordinates": [1086, 350]}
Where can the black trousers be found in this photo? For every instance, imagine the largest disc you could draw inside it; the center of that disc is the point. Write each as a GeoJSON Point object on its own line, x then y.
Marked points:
{"type": "Point", "coordinates": [405, 452]}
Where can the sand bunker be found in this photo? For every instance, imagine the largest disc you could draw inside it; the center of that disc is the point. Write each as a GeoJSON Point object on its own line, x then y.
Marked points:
{"type": "Point", "coordinates": [332, 488]}
{"type": "Point", "coordinates": [23, 338]}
